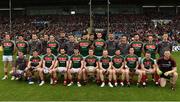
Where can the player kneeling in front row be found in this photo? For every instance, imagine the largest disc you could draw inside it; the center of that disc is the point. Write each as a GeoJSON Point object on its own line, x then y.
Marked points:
{"type": "Point", "coordinates": [34, 64]}
{"type": "Point", "coordinates": [91, 65]}
{"type": "Point", "coordinates": [167, 70]}
{"type": "Point", "coordinates": [105, 68]}
{"type": "Point", "coordinates": [48, 67]}
{"type": "Point", "coordinates": [148, 66]}
{"type": "Point", "coordinates": [75, 67]}
{"type": "Point", "coordinates": [118, 67]}
{"type": "Point", "coordinates": [20, 65]}
{"type": "Point", "coordinates": [61, 65]}
{"type": "Point", "coordinates": [131, 63]}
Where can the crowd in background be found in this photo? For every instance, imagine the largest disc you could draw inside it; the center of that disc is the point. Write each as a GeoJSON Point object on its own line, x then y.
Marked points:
{"type": "Point", "coordinates": [77, 24]}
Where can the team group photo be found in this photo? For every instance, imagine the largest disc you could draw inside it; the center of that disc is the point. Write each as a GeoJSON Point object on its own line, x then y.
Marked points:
{"type": "Point", "coordinates": [101, 51]}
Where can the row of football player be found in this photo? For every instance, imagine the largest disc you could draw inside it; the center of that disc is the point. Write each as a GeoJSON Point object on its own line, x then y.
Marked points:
{"type": "Point", "coordinates": [84, 44]}
{"type": "Point", "coordinates": [127, 67]}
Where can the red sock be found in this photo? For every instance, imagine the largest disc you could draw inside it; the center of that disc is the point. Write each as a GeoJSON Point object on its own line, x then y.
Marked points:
{"type": "Point", "coordinates": [115, 81]}
{"type": "Point", "coordinates": [144, 77]}
{"type": "Point", "coordinates": [156, 77]}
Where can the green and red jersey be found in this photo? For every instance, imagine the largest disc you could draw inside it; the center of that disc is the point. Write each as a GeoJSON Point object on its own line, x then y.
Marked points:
{"type": "Point", "coordinates": [48, 60]}
{"type": "Point", "coordinates": [148, 63]}
{"type": "Point", "coordinates": [8, 47]}
{"type": "Point", "coordinates": [91, 61]}
{"type": "Point", "coordinates": [117, 61]}
{"type": "Point", "coordinates": [22, 46]}
{"type": "Point", "coordinates": [84, 47]}
{"type": "Point", "coordinates": [152, 48]}
{"type": "Point", "coordinates": [99, 45]}
{"type": "Point", "coordinates": [62, 59]}
{"type": "Point", "coordinates": [131, 61]}
{"type": "Point", "coordinates": [54, 47]}
{"type": "Point", "coordinates": [105, 61]}
{"type": "Point", "coordinates": [35, 61]}
{"type": "Point", "coordinates": [76, 61]}
{"type": "Point", "coordinates": [138, 46]}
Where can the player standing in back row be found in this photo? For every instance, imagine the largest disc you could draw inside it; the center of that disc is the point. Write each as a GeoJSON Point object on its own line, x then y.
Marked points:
{"type": "Point", "coordinates": [8, 51]}
{"type": "Point", "coordinates": [99, 44]}
{"type": "Point", "coordinates": [137, 45]}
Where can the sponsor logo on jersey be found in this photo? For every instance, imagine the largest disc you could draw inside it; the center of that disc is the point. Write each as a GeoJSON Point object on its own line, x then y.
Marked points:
{"type": "Point", "coordinates": [52, 45]}
{"type": "Point", "coordinates": [117, 60]}
{"type": "Point", "coordinates": [62, 58]}
{"type": "Point", "coordinates": [150, 46]}
{"type": "Point", "coordinates": [48, 58]}
{"type": "Point", "coordinates": [7, 44]}
{"type": "Point", "coordinates": [131, 59]}
{"type": "Point", "coordinates": [76, 58]}
{"type": "Point", "coordinates": [136, 45]}
{"type": "Point", "coordinates": [84, 44]}
{"type": "Point", "coordinates": [91, 60]}
{"type": "Point", "coordinates": [98, 43]}
{"type": "Point", "coordinates": [21, 44]}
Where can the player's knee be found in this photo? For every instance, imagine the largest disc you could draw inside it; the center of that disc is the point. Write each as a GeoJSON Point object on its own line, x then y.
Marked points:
{"type": "Point", "coordinates": [101, 71]}
{"type": "Point", "coordinates": [175, 74]}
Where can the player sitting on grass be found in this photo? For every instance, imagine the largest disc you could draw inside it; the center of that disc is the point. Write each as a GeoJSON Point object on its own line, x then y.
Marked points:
{"type": "Point", "coordinates": [105, 68]}
{"type": "Point", "coordinates": [47, 67]}
{"type": "Point", "coordinates": [61, 65]}
{"type": "Point", "coordinates": [20, 65]}
{"type": "Point", "coordinates": [131, 63]}
{"type": "Point", "coordinates": [148, 66]}
{"type": "Point", "coordinates": [118, 67]}
{"type": "Point", "coordinates": [167, 70]}
{"type": "Point", "coordinates": [34, 64]}
{"type": "Point", "coordinates": [75, 67]}
{"type": "Point", "coordinates": [91, 65]}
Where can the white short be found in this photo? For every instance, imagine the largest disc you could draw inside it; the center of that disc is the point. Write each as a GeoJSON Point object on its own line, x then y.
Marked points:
{"type": "Point", "coordinates": [62, 69]}
{"type": "Point", "coordinates": [90, 68]}
{"type": "Point", "coordinates": [46, 70]}
{"type": "Point", "coordinates": [7, 58]}
{"type": "Point", "coordinates": [139, 59]}
{"type": "Point", "coordinates": [155, 62]}
{"type": "Point", "coordinates": [75, 70]}
{"type": "Point", "coordinates": [99, 57]}
{"type": "Point", "coordinates": [19, 71]}
{"type": "Point", "coordinates": [150, 71]}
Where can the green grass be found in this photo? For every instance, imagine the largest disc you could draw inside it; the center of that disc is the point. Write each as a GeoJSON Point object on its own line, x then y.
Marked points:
{"type": "Point", "coordinates": [21, 91]}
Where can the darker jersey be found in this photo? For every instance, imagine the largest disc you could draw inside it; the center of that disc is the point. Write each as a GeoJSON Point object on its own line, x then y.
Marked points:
{"type": "Point", "coordinates": [8, 47]}
{"type": "Point", "coordinates": [76, 61]}
{"type": "Point", "coordinates": [21, 63]}
{"type": "Point", "coordinates": [148, 64]}
{"type": "Point", "coordinates": [105, 62]}
{"type": "Point", "coordinates": [35, 61]}
{"type": "Point", "coordinates": [111, 47]}
{"type": "Point", "coordinates": [124, 48]}
{"type": "Point", "coordinates": [164, 45]}
{"type": "Point", "coordinates": [117, 61]}
{"type": "Point", "coordinates": [22, 46]}
{"type": "Point", "coordinates": [48, 60]}
{"type": "Point", "coordinates": [131, 61]}
{"type": "Point", "coordinates": [166, 65]}
{"type": "Point", "coordinates": [91, 61]}
{"type": "Point", "coordinates": [35, 45]}
{"type": "Point", "coordinates": [62, 59]}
